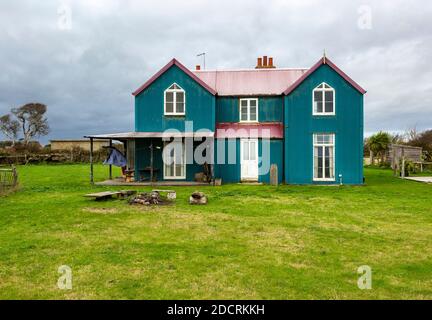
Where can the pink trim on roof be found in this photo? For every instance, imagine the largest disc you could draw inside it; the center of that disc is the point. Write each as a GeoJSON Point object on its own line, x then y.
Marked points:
{"type": "Point", "coordinates": [229, 130]}
{"type": "Point", "coordinates": [165, 68]}
{"type": "Point", "coordinates": [324, 60]}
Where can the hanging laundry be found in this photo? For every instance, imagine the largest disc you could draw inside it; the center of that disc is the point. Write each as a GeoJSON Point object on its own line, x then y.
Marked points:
{"type": "Point", "coordinates": [116, 158]}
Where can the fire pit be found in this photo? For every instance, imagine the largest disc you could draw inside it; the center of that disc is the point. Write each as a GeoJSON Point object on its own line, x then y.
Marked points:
{"type": "Point", "coordinates": [149, 198]}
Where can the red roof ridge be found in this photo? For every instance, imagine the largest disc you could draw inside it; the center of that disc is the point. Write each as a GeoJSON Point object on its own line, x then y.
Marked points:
{"type": "Point", "coordinates": [174, 61]}
{"type": "Point", "coordinates": [324, 60]}
{"type": "Point", "coordinates": [251, 70]}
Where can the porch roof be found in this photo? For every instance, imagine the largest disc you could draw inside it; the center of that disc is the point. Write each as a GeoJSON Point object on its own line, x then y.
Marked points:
{"type": "Point", "coordinates": [164, 134]}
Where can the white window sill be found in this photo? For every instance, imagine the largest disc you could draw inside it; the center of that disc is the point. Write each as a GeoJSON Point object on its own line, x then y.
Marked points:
{"type": "Point", "coordinates": [174, 114]}
{"type": "Point", "coordinates": [324, 179]}
{"type": "Point", "coordinates": [174, 178]}
{"type": "Point", "coordinates": [324, 114]}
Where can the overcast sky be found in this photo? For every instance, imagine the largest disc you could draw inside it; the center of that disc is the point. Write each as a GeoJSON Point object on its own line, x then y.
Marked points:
{"type": "Point", "coordinates": [84, 58]}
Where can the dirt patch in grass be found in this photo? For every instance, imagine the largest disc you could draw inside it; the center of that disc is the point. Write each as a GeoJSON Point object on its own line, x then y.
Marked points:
{"type": "Point", "coordinates": [101, 210]}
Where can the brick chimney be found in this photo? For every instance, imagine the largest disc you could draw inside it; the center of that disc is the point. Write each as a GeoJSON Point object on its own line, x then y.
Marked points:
{"type": "Point", "coordinates": [270, 62]}
{"type": "Point", "coordinates": [265, 62]}
{"type": "Point", "coordinates": [197, 67]}
{"type": "Point", "coordinates": [259, 63]}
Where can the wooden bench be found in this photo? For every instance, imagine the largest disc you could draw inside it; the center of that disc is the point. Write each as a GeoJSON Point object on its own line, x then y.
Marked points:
{"type": "Point", "coordinates": [109, 194]}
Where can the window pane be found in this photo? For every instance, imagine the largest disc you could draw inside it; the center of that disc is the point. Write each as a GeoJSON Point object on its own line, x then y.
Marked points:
{"type": "Point", "coordinates": [323, 139]}
{"type": "Point", "coordinates": [253, 115]}
{"type": "Point", "coordinates": [245, 150]}
{"type": "Point", "coordinates": [329, 101]}
{"type": "Point", "coordinates": [180, 102]}
{"type": "Point", "coordinates": [331, 163]}
{"type": "Point", "coordinates": [169, 101]}
{"type": "Point", "coordinates": [252, 103]}
{"type": "Point", "coordinates": [169, 97]}
{"type": "Point", "coordinates": [244, 103]}
{"type": "Point", "coordinates": [318, 104]}
{"type": "Point", "coordinates": [178, 153]}
{"type": "Point", "coordinates": [327, 163]}
{"type": "Point", "coordinates": [252, 155]}
{"type": "Point", "coordinates": [179, 96]}
{"type": "Point", "coordinates": [169, 107]}
{"type": "Point", "coordinates": [244, 113]}
{"type": "Point", "coordinates": [179, 170]}
{"type": "Point", "coordinates": [316, 162]}
{"type": "Point", "coordinates": [320, 163]}
{"type": "Point", "coordinates": [169, 170]}
{"type": "Point", "coordinates": [179, 107]}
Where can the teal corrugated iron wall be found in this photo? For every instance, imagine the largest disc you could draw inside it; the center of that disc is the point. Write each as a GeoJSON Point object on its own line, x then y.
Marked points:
{"type": "Point", "coordinates": [270, 109]}
{"type": "Point", "coordinates": [149, 105]}
{"type": "Point", "coordinates": [205, 110]}
{"type": "Point", "coordinates": [347, 125]}
{"type": "Point", "coordinates": [231, 173]}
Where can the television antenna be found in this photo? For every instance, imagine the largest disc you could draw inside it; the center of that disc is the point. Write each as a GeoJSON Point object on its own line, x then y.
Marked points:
{"type": "Point", "coordinates": [202, 55]}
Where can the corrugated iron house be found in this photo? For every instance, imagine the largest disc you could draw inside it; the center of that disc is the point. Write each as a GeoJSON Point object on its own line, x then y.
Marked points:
{"type": "Point", "coordinates": [308, 122]}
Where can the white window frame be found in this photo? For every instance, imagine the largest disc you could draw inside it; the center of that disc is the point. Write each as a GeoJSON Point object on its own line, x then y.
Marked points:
{"type": "Point", "coordinates": [175, 91]}
{"type": "Point", "coordinates": [174, 163]}
{"type": "Point", "coordinates": [248, 110]}
{"type": "Point", "coordinates": [323, 144]}
{"type": "Point", "coordinates": [323, 90]}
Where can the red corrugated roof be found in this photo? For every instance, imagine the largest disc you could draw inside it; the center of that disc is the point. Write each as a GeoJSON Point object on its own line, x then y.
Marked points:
{"type": "Point", "coordinates": [250, 82]}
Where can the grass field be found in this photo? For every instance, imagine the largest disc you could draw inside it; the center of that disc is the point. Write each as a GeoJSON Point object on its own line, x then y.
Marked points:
{"type": "Point", "coordinates": [249, 242]}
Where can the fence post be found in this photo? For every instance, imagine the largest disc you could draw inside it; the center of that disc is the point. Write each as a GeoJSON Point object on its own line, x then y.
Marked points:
{"type": "Point", "coordinates": [15, 176]}
{"type": "Point", "coordinates": [91, 161]}
{"type": "Point", "coordinates": [110, 166]}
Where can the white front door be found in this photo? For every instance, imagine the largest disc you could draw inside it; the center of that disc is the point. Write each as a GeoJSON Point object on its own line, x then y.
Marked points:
{"type": "Point", "coordinates": [249, 159]}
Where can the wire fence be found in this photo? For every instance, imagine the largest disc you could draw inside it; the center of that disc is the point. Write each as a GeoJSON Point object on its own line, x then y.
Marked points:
{"type": "Point", "coordinates": [8, 178]}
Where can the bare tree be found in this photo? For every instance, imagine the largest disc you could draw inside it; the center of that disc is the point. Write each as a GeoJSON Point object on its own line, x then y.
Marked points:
{"type": "Point", "coordinates": [9, 127]}
{"type": "Point", "coordinates": [412, 134]}
{"type": "Point", "coordinates": [398, 138]}
{"type": "Point", "coordinates": [32, 120]}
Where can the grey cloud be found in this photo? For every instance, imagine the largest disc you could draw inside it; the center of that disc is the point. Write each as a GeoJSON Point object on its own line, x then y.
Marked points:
{"type": "Point", "coordinates": [86, 75]}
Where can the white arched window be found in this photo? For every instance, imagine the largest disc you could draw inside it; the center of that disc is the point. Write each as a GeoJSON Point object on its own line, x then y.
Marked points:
{"type": "Point", "coordinates": [174, 100]}
{"type": "Point", "coordinates": [323, 100]}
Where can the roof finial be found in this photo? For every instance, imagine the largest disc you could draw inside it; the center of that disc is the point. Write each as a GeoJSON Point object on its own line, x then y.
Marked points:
{"type": "Point", "coordinates": [324, 56]}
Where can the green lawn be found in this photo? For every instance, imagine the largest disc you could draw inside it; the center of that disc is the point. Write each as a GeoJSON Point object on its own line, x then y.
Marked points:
{"type": "Point", "coordinates": [249, 242]}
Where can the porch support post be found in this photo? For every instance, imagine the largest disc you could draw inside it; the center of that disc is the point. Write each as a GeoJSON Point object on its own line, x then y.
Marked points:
{"type": "Point", "coordinates": [91, 161]}
{"type": "Point", "coordinates": [213, 164]}
{"type": "Point", "coordinates": [110, 166]}
{"type": "Point", "coordinates": [151, 161]}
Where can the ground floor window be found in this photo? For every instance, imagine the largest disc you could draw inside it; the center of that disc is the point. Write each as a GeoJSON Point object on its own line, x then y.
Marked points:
{"type": "Point", "coordinates": [324, 153]}
{"type": "Point", "coordinates": [174, 160]}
